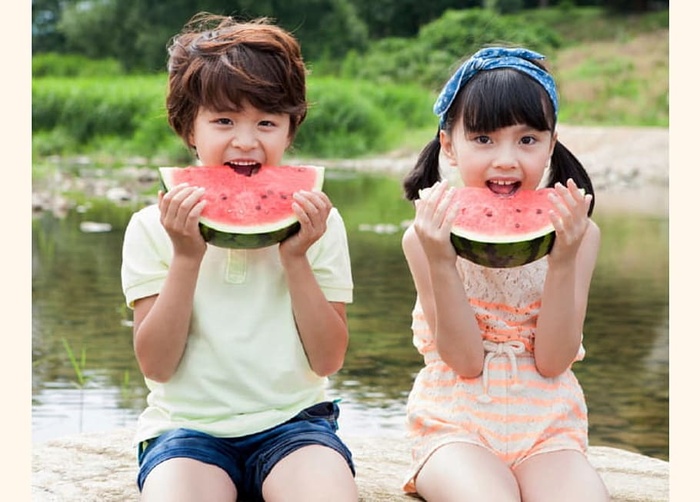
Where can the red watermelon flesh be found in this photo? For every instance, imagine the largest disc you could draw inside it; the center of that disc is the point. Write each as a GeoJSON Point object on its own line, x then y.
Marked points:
{"type": "Point", "coordinates": [246, 209]}
{"type": "Point", "coordinates": [502, 230]}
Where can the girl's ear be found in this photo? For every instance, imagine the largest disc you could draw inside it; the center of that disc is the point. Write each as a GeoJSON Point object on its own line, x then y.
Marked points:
{"type": "Point", "coordinates": [555, 138]}
{"type": "Point", "coordinates": [447, 147]}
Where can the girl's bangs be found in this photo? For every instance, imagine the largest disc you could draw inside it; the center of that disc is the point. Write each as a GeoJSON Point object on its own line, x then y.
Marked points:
{"type": "Point", "coordinates": [503, 98]}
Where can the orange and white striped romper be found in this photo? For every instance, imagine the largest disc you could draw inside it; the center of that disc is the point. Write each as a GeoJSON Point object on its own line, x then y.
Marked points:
{"type": "Point", "coordinates": [510, 409]}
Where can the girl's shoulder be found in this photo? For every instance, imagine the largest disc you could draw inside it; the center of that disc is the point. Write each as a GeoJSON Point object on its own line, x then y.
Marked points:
{"type": "Point", "coordinates": [409, 239]}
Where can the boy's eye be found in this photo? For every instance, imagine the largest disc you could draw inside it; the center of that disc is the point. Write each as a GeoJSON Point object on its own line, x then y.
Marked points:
{"type": "Point", "coordinates": [224, 121]}
{"type": "Point", "coordinates": [267, 123]}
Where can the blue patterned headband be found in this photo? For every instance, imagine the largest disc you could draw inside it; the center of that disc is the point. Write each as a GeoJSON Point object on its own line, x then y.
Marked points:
{"type": "Point", "coordinates": [490, 59]}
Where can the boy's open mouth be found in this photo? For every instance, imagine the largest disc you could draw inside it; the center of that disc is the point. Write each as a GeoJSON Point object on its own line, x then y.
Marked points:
{"type": "Point", "coordinates": [246, 169]}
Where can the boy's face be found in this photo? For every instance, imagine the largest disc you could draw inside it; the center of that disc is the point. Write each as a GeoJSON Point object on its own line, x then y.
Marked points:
{"type": "Point", "coordinates": [245, 137]}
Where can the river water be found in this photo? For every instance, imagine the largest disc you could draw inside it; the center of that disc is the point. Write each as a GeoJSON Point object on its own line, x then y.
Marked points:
{"type": "Point", "coordinates": [78, 308]}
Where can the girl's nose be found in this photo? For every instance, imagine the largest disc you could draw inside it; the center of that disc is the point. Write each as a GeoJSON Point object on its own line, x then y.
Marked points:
{"type": "Point", "coordinates": [505, 158]}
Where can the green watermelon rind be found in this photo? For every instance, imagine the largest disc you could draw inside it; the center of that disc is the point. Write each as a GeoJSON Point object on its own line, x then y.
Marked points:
{"type": "Point", "coordinates": [247, 240]}
{"type": "Point", "coordinates": [503, 254]}
{"type": "Point", "coordinates": [249, 237]}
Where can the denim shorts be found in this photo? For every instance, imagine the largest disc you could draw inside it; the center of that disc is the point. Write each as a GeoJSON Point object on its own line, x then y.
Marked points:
{"type": "Point", "coordinates": [247, 459]}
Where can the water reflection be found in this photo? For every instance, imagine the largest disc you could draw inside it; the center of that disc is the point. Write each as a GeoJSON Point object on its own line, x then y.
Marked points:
{"type": "Point", "coordinates": [77, 297]}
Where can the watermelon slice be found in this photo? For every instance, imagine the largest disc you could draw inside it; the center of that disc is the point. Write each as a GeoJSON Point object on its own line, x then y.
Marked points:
{"type": "Point", "coordinates": [246, 210]}
{"type": "Point", "coordinates": [502, 231]}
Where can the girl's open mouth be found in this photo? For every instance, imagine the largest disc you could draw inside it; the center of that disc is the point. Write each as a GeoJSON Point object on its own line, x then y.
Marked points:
{"type": "Point", "coordinates": [503, 187]}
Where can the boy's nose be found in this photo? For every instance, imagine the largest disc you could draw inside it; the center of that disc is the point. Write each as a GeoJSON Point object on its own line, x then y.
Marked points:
{"type": "Point", "coordinates": [243, 139]}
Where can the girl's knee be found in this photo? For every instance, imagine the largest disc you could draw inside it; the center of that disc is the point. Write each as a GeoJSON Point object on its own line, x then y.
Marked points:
{"type": "Point", "coordinates": [560, 475]}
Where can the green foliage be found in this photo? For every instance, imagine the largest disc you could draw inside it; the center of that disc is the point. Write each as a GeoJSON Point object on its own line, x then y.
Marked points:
{"type": "Point", "coordinates": [73, 65]}
{"type": "Point", "coordinates": [126, 116]}
{"type": "Point", "coordinates": [88, 110]}
{"type": "Point", "coordinates": [373, 101]}
{"type": "Point", "coordinates": [428, 58]}
{"type": "Point", "coordinates": [351, 118]}
{"type": "Point", "coordinates": [581, 25]}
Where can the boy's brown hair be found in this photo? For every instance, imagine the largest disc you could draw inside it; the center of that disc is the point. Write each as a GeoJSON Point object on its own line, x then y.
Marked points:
{"type": "Point", "coordinates": [219, 63]}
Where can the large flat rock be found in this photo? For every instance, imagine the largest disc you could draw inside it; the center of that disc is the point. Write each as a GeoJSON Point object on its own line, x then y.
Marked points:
{"type": "Point", "coordinates": [102, 467]}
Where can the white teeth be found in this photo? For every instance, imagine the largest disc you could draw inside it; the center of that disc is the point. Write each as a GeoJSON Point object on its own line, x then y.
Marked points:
{"type": "Point", "coordinates": [498, 182]}
{"type": "Point", "coordinates": [243, 163]}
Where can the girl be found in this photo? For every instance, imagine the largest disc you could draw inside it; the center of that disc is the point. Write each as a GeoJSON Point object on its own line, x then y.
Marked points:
{"type": "Point", "coordinates": [236, 345]}
{"type": "Point", "coordinates": [496, 413]}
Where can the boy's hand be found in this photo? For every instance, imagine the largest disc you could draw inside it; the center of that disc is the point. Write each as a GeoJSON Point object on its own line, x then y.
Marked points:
{"type": "Point", "coordinates": [180, 209]}
{"type": "Point", "coordinates": [312, 209]}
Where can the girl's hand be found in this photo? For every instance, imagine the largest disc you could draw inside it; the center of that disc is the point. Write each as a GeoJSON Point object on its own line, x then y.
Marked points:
{"type": "Point", "coordinates": [312, 209]}
{"type": "Point", "coordinates": [570, 220]}
{"type": "Point", "coordinates": [433, 223]}
{"type": "Point", "coordinates": [180, 209]}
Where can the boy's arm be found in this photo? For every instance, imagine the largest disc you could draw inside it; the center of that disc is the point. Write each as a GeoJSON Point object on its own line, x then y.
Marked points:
{"type": "Point", "coordinates": [322, 325]}
{"type": "Point", "coordinates": [162, 321]}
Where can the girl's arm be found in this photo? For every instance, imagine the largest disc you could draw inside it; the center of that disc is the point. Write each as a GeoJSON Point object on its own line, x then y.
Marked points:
{"type": "Point", "coordinates": [432, 262]}
{"type": "Point", "coordinates": [565, 297]}
{"type": "Point", "coordinates": [161, 322]}
{"type": "Point", "coordinates": [322, 325]}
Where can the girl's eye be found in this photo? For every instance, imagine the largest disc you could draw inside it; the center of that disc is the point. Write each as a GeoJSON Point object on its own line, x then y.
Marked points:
{"type": "Point", "coordinates": [528, 140]}
{"type": "Point", "coordinates": [482, 139]}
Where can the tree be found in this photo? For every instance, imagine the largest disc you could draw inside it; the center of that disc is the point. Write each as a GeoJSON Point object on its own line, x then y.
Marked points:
{"type": "Point", "coordinates": [45, 36]}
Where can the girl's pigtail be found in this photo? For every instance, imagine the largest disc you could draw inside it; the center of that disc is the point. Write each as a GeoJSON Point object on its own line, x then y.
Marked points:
{"type": "Point", "coordinates": [565, 165]}
{"type": "Point", "coordinates": [425, 173]}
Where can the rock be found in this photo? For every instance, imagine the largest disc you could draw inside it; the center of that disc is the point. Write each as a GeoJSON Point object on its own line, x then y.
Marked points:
{"type": "Point", "coordinates": [102, 467]}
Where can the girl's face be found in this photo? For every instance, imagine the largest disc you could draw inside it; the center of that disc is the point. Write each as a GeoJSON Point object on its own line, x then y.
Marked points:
{"type": "Point", "coordinates": [503, 160]}
{"type": "Point", "coordinates": [245, 137]}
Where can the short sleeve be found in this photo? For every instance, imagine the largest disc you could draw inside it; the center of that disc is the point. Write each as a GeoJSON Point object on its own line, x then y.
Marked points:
{"type": "Point", "coordinates": [330, 261]}
{"type": "Point", "coordinates": [146, 255]}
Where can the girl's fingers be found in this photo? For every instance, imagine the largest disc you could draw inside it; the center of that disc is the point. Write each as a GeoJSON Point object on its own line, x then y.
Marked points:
{"type": "Point", "coordinates": [435, 205]}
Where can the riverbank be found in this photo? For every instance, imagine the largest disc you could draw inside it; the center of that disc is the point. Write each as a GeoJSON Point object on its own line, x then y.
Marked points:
{"type": "Point", "coordinates": [102, 467]}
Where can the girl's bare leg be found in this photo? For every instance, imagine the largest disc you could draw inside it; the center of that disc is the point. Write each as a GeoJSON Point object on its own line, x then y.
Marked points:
{"type": "Point", "coordinates": [463, 472]}
{"type": "Point", "coordinates": [560, 475]}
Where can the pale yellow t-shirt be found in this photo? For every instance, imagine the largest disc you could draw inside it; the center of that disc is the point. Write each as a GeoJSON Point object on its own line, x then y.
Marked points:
{"type": "Point", "coordinates": [244, 368]}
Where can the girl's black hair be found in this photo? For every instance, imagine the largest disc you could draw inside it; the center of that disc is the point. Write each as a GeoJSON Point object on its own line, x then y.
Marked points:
{"type": "Point", "coordinates": [491, 100]}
